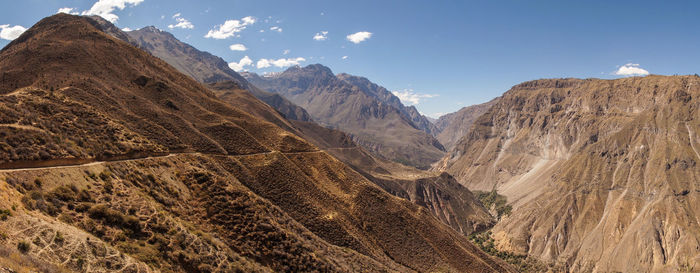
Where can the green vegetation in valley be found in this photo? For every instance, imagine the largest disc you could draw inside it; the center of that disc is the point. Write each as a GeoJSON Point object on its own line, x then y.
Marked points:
{"type": "Point", "coordinates": [521, 262]}
{"type": "Point", "coordinates": [493, 200]}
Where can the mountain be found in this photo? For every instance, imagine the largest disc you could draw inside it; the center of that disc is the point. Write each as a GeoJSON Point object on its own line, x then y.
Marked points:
{"type": "Point", "coordinates": [113, 160]}
{"type": "Point", "coordinates": [205, 67]}
{"type": "Point", "coordinates": [450, 202]}
{"type": "Point", "coordinates": [383, 95]}
{"type": "Point", "coordinates": [451, 127]}
{"type": "Point", "coordinates": [377, 126]}
{"type": "Point", "coordinates": [601, 174]}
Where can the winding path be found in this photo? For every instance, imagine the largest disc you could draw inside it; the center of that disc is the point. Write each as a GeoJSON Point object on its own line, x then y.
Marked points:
{"type": "Point", "coordinates": [92, 162]}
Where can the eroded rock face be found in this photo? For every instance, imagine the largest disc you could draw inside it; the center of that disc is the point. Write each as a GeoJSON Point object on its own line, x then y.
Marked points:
{"type": "Point", "coordinates": [602, 174]}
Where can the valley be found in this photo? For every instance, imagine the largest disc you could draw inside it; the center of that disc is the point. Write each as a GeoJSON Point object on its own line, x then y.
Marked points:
{"type": "Point", "coordinates": [135, 150]}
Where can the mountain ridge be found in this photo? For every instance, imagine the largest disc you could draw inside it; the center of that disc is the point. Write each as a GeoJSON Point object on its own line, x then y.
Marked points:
{"type": "Point", "coordinates": [378, 127]}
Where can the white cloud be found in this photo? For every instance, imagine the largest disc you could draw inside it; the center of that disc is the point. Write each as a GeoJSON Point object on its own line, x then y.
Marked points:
{"type": "Point", "coordinates": [230, 28]}
{"type": "Point", "coordinates": [359, 37]}
{"type": "Point", "coordinates": [104, 8]}
{"type": "Point", "coordinates": [276, 28]}
{"type": "Point", "coordinates": [264, 63]}
{"type": "Point", "coordinates": [631, 69]}
{"type": "Point", "coordinates": [11, 33]}
{"type": "Point", "coordinates": [238, 47]}
{"type": "Point", "coordinates": [66, 10]}
{"type": "Point", "coordinates": [240, 65]}
{"type": "Point", "coordinates": [344, 57]}
{"type": "Point", "coordinates": [126, 29]}
{"type": "Point", "coordinates": [262, 30]}
{"type": "Point", "coordinates": [286, 51]}
{"type": "Point", "coordinates": [321, 36]}
{"type": "Point", "coordinates": [181, 22]}
{"type": "Point", "coordinates": [409, 97]}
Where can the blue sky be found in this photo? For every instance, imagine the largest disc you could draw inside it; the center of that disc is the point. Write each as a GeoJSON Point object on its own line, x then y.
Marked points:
{"type": "Point", "coordinates": [440, 55]}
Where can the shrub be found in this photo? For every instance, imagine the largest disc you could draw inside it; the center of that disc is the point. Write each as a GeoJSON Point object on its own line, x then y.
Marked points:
{"type": "Point", "coordinates": [115, 218]}
{"type": "Point", "coordinates": [106, 175]}
{"type": "Point", "coordinates": [59, 238]}
{"type": "Point", "coordinates": [108, 187]}
{"type": "Point", "coordinates": [23, 247]}
{"type": "Point", "coordinates": [38, 182]}
{"type": "Point", "coordinates": [4, 214]}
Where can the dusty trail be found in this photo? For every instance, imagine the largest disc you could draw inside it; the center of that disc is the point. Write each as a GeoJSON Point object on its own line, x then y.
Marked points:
{"type": "Point", "coordinates": [99, 162]}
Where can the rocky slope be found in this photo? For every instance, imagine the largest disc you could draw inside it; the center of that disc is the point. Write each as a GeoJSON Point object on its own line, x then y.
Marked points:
{"type": "Point", "coordinates": [453, 126]}
{"type": "Point", "coordinates": [409, 112]}
{"type": "Point", "coordinates": [601, 173]}
{"type": "Point", "coordinates": [204, 67]}
{"type": "Point", "coordinates": [375, 125]}
{"type": "Point", "coordinates": [451, 203]}
{"type": "Point", "coordinates": [115, 161]}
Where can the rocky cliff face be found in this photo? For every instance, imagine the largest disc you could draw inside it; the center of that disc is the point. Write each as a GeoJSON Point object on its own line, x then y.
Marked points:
{"type": "Point", "coordinates": [374, 124]}
{"type": "Point", "coordinates": [602, 174]}
{"type": "Point", "coordinates": [453, 126]}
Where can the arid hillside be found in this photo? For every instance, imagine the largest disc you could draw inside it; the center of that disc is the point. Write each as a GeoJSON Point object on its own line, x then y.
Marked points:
{"type": "Point", "coordinates": [115, 161]}
{"type": "Point", "coordinates": [439, 193]}
{"type": "Point", "coordinates": [373, 124]}
{"type": "Point", "coordinates": [602, 174]}
{"type": "Point", "coordinates": [448, 201]}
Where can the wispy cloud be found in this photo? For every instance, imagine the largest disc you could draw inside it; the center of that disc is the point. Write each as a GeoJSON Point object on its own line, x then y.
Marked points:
{"type": "Point", "coordinates": [344, 58]}
{"type": "Point", "coordinates": [264, 63]}
{"type": "Point", "coordinates": [230, 28]}
{"type": "Point", "coordinates": [10, 33]}
{"type": "Point", "coordinates": [631, 69]}
{"type": "Point", "coordinates": [410, 97]}
{"type": "Point", "coordinates": [105, 8]}
{"type": "Point", "coordinates": [358, 37]}
{"type": "Point", "coordinates": [321, 36]}
{"type": "Point", "coordinates": [276, 28]}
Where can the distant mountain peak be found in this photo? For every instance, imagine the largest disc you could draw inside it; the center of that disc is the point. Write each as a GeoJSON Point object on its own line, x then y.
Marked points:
{"type": "Point", "coordinates": [151, 28]}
